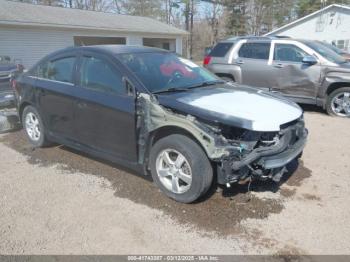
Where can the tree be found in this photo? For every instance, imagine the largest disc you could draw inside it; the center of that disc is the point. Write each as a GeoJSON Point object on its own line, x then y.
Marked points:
{"type": "Point", "coordinates": [305, 7]}
{"type": "Point", "coordinates": [236, 13]}
{"type": "Point", "coordinates": [93, 5]}
{"type": "Point", "coordinates": [149, 8]}
{"type": "Point", "coordinates": [212, 16]}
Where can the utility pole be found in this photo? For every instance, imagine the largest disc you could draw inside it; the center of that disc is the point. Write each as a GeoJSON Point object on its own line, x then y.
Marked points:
{"type": "Point", "coordinates": [187, 26]}
{"type": "Point", "coordinates": [191, 32]}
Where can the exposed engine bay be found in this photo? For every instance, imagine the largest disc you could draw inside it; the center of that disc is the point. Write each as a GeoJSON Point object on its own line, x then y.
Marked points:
{"type": "Point", "coordinates": [262, 155]}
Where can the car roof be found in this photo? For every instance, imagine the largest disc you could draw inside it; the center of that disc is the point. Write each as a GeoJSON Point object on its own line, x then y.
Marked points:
{"type": "Point", "coordinates": [264, 39]}
{"type": "Point", "coordinates": [111, 49]}
{"type": "Point", "coordinates": [123, 49]}
{"type": "Point", "coordinates": [255, 38]}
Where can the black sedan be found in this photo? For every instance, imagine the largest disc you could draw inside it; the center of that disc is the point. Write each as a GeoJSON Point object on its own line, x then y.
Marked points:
{"type": "Point", "coordinates": [159, 114]}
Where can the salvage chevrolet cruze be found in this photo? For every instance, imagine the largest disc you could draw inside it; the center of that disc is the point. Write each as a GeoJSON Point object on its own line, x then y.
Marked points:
{"type": "Point", "coordinates": [158, 113]}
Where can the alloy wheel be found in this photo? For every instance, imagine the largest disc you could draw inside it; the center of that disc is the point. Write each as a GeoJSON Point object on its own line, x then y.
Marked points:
{"type": "Point", "coordinates": [341, 104]}
{"type": "Point", "coordinates": [32, 126]}
{"type": "Point", "coordinates": [174, 171]}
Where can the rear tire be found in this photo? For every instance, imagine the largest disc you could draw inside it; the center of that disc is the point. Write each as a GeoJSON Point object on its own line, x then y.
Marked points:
{"type": "Point", "coordinates": [338, 102]}
{"type": "Point", "coordinates": [178, 158]}
{"type": "Point", "coordinates": [34, 127]}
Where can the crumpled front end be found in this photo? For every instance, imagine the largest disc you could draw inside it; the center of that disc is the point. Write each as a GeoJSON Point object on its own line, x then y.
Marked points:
{"type": "Point", "coordinates": [239, 154]}
{"type": "Point", "coordinates": [262, 155]}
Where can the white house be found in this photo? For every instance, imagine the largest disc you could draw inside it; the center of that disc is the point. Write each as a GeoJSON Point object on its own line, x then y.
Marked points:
{"type": "Point", "coordinates": [29, 32]}
{"type": "Point", "coordinates": [330, 24]}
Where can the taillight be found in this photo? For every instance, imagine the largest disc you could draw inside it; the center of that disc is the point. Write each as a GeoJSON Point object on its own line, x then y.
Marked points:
{"type": "Point", "coordinates": [206, 60]}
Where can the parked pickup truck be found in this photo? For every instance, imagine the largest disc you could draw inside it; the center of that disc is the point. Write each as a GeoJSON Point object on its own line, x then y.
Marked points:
{"type": "Point", "coordinates": [303, 70]}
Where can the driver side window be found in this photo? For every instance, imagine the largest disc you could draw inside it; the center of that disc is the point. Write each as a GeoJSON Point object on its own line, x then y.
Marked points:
{"type": "Point", "coordinates": [288, 53]}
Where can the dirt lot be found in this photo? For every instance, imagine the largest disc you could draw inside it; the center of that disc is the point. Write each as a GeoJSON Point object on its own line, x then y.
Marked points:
{"type": "Point", "coordinates": [58, 201]}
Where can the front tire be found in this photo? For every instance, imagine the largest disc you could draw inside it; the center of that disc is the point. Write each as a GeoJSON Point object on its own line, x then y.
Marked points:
{"type": "Point", "coordinates": [34, 127]}
{"type": "Point", "coordinates": [180, 168]}
{"type": "Point", "coordinates": [338, 102]}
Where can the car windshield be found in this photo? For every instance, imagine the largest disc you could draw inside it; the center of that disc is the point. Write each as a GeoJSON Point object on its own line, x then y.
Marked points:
{"type": "Point", "coordinates": [332, 47]}
{"type": "Point", "coordinates": [161, 72]}
{"type": "Point", "coordinates": [325, 51]}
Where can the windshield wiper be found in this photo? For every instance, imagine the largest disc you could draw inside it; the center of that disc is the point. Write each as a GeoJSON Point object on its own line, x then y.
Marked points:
{"type": "Point", "coordinates": [187, 88]}
{"type": "Point", "coordinates": [206, 83]}
{"type": "Point", "coordinates": [170, 90]}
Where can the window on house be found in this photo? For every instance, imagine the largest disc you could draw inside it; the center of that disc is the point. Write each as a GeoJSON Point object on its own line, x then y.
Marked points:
{"type": "Point", "coordinates": [341, 44]}
{"type": "Point", "coordinates": [166, 46]}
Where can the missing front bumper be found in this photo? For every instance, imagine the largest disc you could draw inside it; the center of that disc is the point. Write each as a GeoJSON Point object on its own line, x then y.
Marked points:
{"type": "Point", "coordinates": [264, 163]}
{"type": "Point", "coordinates": [287, 156]}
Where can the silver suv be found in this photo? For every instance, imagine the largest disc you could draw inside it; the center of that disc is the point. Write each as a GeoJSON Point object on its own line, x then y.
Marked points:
{"type": "Point", "coordinates": [305, 71]}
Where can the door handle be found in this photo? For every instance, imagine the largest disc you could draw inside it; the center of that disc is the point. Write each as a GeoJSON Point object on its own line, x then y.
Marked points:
{"type": "Point", "coordinates": [82, 105]}
{"type": "Point", "coordinates": [278, 65]}
{"type": "Point", "coordinates": [275, 91]}
{"type": "Point", "coordinates": [239, 62]}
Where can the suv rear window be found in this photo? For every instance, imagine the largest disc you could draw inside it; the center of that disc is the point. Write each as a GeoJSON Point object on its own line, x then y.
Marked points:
{"type": "Point", "coordinates": [221, 49]}
{"type": "Point", "coordinates": [255, 50]}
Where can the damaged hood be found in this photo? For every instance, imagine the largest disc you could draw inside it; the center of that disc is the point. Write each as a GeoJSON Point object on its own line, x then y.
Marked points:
{"type": "Point", "coordinates": [234, 105]}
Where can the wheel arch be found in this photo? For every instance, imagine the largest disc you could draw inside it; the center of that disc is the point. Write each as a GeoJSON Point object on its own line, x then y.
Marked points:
{"type": "Point", "coordinates": [226, 75]}
{"type": "Point", "coordinates": [336, 85]}
{"type": "Point", "coordinates": [168, 130]}
{"type": "Point", "coordinates": [22, 107]}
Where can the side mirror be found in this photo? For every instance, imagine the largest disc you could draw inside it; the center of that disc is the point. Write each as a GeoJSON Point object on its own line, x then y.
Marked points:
{"type": "Point", "coordinates": [309, 60]}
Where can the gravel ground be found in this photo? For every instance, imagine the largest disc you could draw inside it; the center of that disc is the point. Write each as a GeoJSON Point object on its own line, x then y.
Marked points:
{"type": "Point", "coordinates": [59, 201]}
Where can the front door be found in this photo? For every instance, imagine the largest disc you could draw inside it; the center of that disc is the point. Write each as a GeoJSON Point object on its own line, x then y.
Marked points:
{"type": "Point", "coordinates": [291, 76]}
{"type": "Point", "coordinates": [104, 111]}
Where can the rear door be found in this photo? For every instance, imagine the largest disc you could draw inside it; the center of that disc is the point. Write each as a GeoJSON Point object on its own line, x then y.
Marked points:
{"type": "Point", "coordinates": [291, 77]}
{"type": "Point", "coordinates": [253, 58]}
{"type": "Point", "coordinates": [55, 86]}
{"type": "Point", "coordinates": [104, 111]}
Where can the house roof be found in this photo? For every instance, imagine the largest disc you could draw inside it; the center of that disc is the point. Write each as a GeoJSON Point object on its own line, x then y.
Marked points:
{"type": "Point", "coordinates": [25, 14]}
{"type": "Point", "coordinates": [301, 20]}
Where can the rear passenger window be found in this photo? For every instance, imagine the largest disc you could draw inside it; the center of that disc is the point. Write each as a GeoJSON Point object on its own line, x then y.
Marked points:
{"type": "Point", "coordinates": [40, 70]}
{"type": "Point", "coordinates": [221, 49]}
{"type": "Point", "coordinates": [61, 70]}
{"type": "Point", "coordinates": [255, 50]}
{"type": "Point", "coordinates": [97, 74]}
